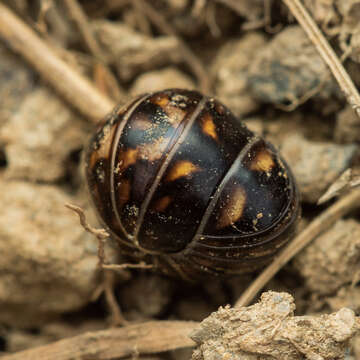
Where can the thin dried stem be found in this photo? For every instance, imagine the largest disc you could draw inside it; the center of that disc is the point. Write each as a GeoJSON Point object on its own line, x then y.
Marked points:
{"type": "Point", "coordinates": [74, 87]}
{"type": "Point", "coordinates": [101, 234]}
{"type": "Point", "coordinates": [322, 45]}
{"type": "Point", "coordinates": [142, 21]}
{"type": "Point", "coordinates": [116, 317]}
{"type": "Point", "coordinates": [188, 55]}
{"type": "Point", "coordinates": [348, 179]}
{"type": "Point", "coordinates": [315, 228]}
{"type": "Point", "coordinates": [145, 338]}
{"type": "Point", "coordinates": [326, 52]}
{"type": "Point", "coordinates": [79, 17]}
{"type": "Point", "coordinates": [107, 287]}
{"type": "Point", "coordinates": [140, 265]}
{"type": "Point", "coordinates": [81, 21]}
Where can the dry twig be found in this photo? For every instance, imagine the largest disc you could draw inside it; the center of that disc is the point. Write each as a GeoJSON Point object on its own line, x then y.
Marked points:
{"type": "Point", "coordinates": [102, 235]}
{"type": "Point", "coordinates": [79, 17]}
{"type": "Point", "coordinates": [145, 338]}
{"type": "Point", "coordinates": [81, 21]}
{"type": "Point", "coordinates": [142, 21]}
{"type": "Point", "coordinates": [349, 179]}
{"type": "Point", "coordinates": [140, 265]}
{"type": "Point", "coordinates": [108, 280]}
{"type": "Point", "coordinates": [75, 88]}
{"type": "Point", "coordinates": [326, 52]}
{"type": "Point", "coordinates": [107, 287]}
{"type": "Point", "coordinates": [322, 45]}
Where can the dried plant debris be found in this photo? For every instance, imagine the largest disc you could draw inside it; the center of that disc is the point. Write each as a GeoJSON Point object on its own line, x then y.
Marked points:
{"type": "Point", "coordinates": [133, 52]}
{"type": "Point", "coordinates": [333, 259]}
{"type": "Point", "coordinates": [288, 70]}
{"type": "Point", "coordinates": [316, 165]}
{"type": "Point", "coordinates": [21, 339]}
{"type": "Point", "coordinates": [349, 36]}
{"type": "Point", "coordinates": [349, 179]}
{"type": "Point", "coordinates": [269, 330]}
{"type": "Point", "coordinates": [324, 13]}
{"type": "Point", "coordinates": [231, 72]}
{"type": "Point", "coordinates": [48, 263]}
{"type": "Point", "coordinates": [342, 18]}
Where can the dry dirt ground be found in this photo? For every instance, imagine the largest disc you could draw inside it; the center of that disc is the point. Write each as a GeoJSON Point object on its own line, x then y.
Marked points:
{"type": "Point", "coordinates": [252, 55]}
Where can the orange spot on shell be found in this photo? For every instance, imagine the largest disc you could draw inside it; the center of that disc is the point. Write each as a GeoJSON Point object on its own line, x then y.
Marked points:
{"type": "Point", "coordinates": [123, 192]}
{"type": "Point", "coordinates": [263, 161]}
{"type": "Point", "coordinates": [161, 101]}
{"type": "Point", "coordinates": [128, 158]}
{"type": "Point", "coordinates": [233, 208]}
{"type": "Point", "coordinates": [180, 169]}
{"type": "Point", "coordinates": [162, 203]}
{"type": "Point", "coordinates": [208, 126]}
{"type": "Point", "coordinates": [174, 114]}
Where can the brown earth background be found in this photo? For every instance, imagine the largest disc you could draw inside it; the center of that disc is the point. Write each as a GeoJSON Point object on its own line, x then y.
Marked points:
{"type": "Point", "coordinates": [65, 64]}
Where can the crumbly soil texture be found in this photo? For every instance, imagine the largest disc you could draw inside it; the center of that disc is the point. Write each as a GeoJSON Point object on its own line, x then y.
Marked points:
{"type": "Point", "coordinates": [255, 58]}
